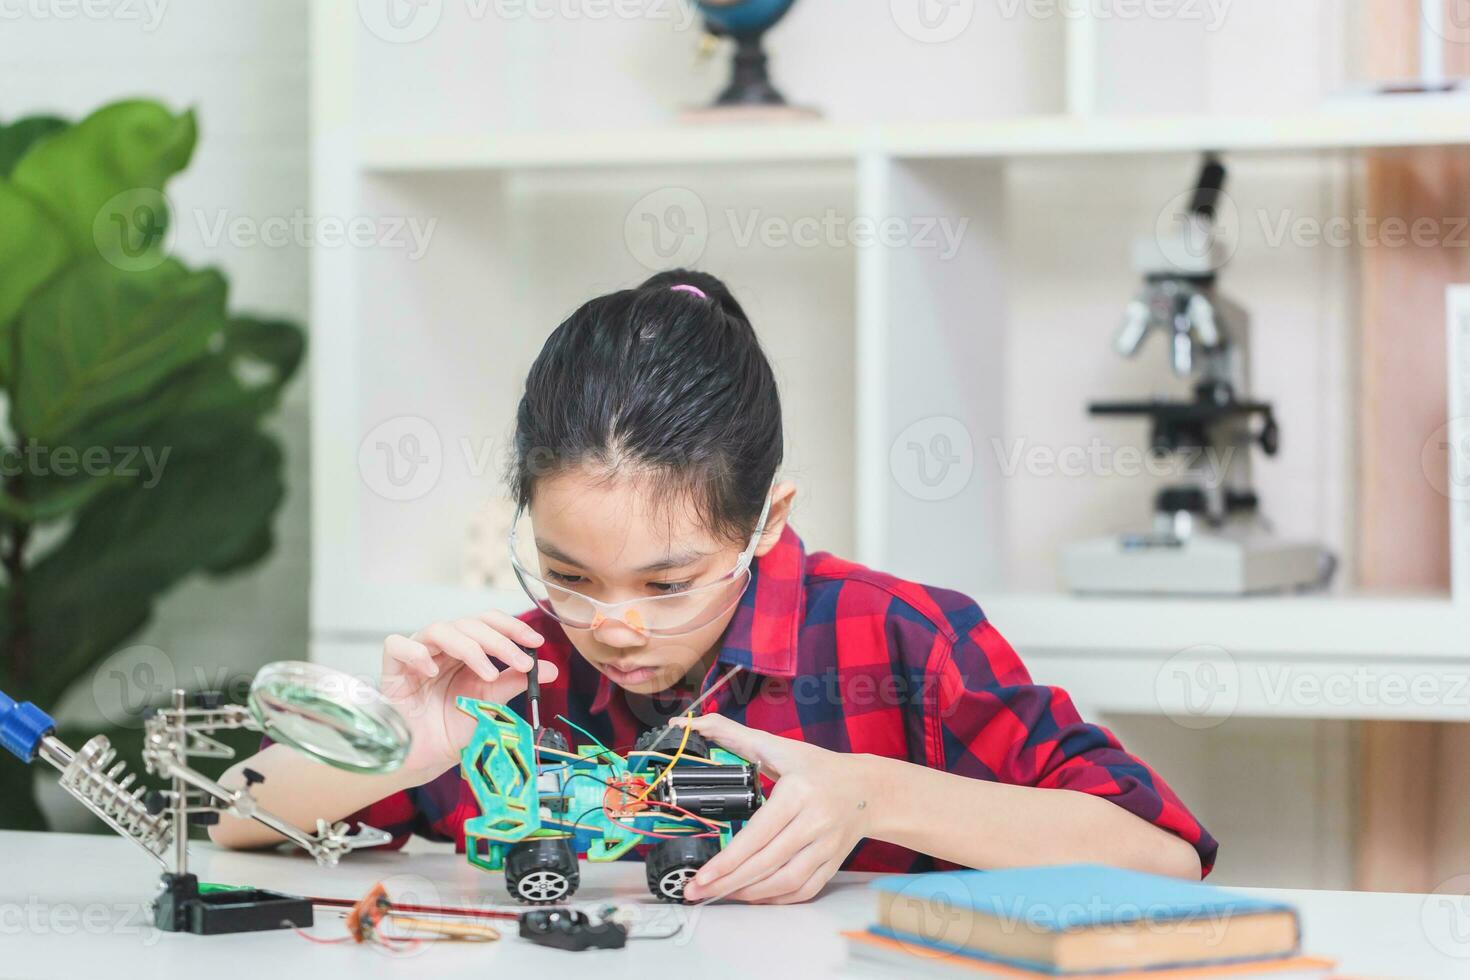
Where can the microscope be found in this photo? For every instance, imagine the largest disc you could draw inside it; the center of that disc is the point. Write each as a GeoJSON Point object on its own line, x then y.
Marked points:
{"type": "Point", "coordinates": [1208, 535]}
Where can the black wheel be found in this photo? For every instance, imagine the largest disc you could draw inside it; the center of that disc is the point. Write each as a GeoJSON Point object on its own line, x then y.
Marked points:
{"type": "Point", "coordinates": [667, 739]}
{"type": "Point", "coordinates": [542, 871]}
{"type": "Point", "coordinates": [671, 863]}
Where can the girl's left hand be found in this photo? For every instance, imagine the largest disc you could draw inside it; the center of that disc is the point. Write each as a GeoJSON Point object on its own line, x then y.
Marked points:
{"type": "Point", "coordinates": [815, 816]}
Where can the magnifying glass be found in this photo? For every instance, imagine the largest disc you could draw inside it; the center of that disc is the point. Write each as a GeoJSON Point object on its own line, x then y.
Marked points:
{"type": "Point", "coordinates": [329, 715]}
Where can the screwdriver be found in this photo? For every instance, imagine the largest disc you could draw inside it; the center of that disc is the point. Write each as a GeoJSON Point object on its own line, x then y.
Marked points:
{"type": "Point", "coordinates": [533, 693]}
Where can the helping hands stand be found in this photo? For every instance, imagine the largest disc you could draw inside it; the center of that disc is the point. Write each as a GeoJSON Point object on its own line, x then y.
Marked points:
{"type": "Point", "coordinates": [158, 821]}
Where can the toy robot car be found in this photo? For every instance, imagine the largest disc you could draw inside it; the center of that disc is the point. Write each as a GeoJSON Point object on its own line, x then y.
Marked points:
{"type": "Point", "coordinates": [542, 805]}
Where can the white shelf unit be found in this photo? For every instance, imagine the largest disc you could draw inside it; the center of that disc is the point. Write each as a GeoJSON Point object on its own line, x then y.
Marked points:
{"type": "Point", "coordinates": [1357, 125]}
{"type": "Point", "coordinates": [868, 339]}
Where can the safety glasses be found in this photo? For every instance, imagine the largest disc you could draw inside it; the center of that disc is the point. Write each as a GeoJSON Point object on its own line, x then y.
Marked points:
{"type": "Point", "coordinates": [673, 614]}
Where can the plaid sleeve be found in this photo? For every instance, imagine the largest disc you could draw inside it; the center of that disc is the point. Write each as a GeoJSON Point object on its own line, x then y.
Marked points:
{"type": "Point", "coordinates": [397, 814]}
{"type": "Point", "coordinates": [992, 722]}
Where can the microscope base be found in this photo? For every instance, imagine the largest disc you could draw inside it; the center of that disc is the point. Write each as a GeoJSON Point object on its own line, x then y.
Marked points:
{"type": "Point", "coordinates": [1205, 564]}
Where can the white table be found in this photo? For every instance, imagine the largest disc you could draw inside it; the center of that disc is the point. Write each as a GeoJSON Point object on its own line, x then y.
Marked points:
{"type": "Point", "coordinates": [76, 905]}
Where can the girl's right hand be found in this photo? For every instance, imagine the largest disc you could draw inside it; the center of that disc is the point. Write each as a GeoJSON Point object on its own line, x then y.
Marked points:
{"type": "Point", "coordinates": [476, 656]}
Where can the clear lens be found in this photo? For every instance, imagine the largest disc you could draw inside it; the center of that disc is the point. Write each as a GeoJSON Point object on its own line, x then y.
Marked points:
{"type": "Point", "coordinates": [329, 715]}
{"type": "Point", "coordinates": [663, 615]}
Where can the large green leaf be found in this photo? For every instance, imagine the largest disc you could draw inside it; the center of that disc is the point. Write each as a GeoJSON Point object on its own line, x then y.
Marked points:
{"type": "Point", "coordinates": [98, 337]}
{"type": "Point", "coordinates": [32, 250]}
{"type": "Point", "coordinates": [17, 137]}
{"type": "Point", "coordinates": [106, 167]}
{"type": "Point", "coordinates": [276, 345]}
{"type": "Point", "coordinates": [217, 398]}
{"type": "Point", "coordinates": [133, 543]}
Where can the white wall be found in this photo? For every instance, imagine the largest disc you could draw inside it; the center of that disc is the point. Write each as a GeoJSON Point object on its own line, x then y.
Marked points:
{"type": "Point", "coordinates": [243, 68]}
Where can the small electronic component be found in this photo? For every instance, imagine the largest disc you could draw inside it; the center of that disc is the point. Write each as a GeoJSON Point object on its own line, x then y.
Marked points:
{"type": "Point", "coordinates": [571, 930]}
{"type": "Point", "coordinates": [726, 792]}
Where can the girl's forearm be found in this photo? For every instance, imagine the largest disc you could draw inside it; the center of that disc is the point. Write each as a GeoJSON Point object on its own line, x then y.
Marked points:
{"type": "Point", "coordinates": [301, 791]}
{"type": "Point", "coordinates": [983, 824]}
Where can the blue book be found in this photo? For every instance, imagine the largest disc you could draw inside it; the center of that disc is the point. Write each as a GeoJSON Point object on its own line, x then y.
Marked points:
{"type": "Point", "coordinates": [1080, 919]}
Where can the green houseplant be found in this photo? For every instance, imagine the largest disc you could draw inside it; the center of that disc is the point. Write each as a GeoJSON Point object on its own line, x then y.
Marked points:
{"type": "Point", "coordinates": [132, 453]}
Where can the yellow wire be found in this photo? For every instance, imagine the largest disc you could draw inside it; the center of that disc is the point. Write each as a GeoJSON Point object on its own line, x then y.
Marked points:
{"type": "Point", "coordinates": [678, 753]}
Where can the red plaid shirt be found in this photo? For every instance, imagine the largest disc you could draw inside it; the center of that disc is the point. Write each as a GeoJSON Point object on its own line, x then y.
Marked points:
{"type": "Point", "coordinates": [853, 660]}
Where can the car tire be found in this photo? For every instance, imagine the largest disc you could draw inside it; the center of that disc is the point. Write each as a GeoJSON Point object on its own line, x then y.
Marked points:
{"type": "Point", "coordinates": [542, 871]}
{"type": "Point", "coordinates": [671, 863]}
{"type": "Point", "coordinates": [667, 739]}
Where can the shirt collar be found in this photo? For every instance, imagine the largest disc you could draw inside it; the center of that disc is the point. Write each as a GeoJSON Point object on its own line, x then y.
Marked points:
{"type": "Point", "coordinates": [763, 633]}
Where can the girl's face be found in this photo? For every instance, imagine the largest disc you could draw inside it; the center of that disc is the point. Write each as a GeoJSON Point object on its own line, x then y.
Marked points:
{"type": "Point", "coordinates": [602, 538]}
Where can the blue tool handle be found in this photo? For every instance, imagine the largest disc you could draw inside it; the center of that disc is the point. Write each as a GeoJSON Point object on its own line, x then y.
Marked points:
{"type": "Point", "coordinates": [22, 726]}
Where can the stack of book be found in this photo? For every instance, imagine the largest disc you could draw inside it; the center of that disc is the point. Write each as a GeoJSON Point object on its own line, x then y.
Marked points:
{"type": "Point", "coordinates": [1079, 921]}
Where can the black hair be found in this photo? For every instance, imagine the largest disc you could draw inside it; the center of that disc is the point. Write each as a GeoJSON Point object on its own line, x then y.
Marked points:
{"type": "Point", "coordinates": [657, 382]}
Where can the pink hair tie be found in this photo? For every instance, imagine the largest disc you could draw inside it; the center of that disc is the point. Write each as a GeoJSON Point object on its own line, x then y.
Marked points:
{"type": "Point", "coordinates": [686, 288]}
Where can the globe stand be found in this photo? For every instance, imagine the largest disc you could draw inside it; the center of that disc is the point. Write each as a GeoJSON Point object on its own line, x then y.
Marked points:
{"type": "Point", "coordinates": [750, 96]}
{"type": "Point", "coordinates": [750, 79]}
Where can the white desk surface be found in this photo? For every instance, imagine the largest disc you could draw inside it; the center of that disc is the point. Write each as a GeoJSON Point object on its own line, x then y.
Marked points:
{"type": "Point", "coordinates": [76, 906]}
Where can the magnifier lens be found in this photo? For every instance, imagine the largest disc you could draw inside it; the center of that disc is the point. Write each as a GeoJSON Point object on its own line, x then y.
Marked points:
{"type": "Point", "coordinates": [330, 716]}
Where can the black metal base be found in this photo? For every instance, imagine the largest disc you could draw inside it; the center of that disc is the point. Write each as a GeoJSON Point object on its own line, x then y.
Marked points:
{"type": "Point", "coordinates": [182, 907]}
{"type": "Point", "coordinates": [750, 80]}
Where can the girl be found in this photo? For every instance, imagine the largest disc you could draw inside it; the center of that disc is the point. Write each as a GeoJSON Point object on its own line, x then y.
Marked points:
{"type": "Point", "coordinates": [901, 731]}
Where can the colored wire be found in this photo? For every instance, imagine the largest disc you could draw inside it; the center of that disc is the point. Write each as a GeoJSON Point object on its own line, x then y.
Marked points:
{"type": "Point", "coordinates": [689, 713]}
{"type": "Point", "coordinates": [687, 757]}
{"type": "Point", "coordinates": [595, 740]}
{"type": "Point", "coordinates": [711, 824]}
{"type": "Point", "coordinates": [679, 752]}
{"type": "Point", "coordinates": [467, 913]}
